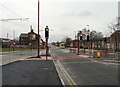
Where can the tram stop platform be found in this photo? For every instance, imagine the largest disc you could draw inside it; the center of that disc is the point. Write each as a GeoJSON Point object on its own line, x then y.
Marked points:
{"type": "Point", "coordinates": [30, 72]}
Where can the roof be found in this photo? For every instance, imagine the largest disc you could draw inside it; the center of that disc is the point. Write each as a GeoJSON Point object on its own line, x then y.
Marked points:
{"type": "Point", "coordinates": [4, 40]}
{"type": "Point", "coordinates": [24, 35]}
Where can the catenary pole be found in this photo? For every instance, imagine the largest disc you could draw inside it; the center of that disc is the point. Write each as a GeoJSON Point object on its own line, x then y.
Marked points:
{"type": "Point", "coordinates": [38, 31]}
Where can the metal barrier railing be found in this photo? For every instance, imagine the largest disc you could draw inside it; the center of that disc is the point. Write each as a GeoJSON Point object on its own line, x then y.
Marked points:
{"type": "Point", "coordinates": [93, 53]}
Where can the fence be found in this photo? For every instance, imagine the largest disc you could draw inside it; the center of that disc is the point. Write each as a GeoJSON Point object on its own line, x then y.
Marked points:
{"type": "Point", "coordinates": [93, 53]}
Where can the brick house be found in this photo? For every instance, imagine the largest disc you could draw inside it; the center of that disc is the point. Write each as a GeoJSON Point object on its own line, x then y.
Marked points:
{"type": "Point", "coordinates": [4, 42]}
{"type": "Point", "coordinates": [24, 39]}
{"type": "Point", "coordinates": [112, 42]}
{"type": "Point", "coordinates": [115, 40]}
{"type": "Point", "coordinates": [30, 38]}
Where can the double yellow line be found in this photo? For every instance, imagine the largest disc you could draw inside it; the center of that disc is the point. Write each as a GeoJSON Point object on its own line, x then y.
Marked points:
{"type": "Point", "coordinates": [69, 79]}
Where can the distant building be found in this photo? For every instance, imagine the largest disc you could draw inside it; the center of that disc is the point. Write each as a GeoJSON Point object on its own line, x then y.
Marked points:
{"type": "Point", "coordinates": [115, 40]}
{"type": "Point", "coordinates": [29, 38]}
{"type": "Point", "coordinates": [112, 42]}
{"type": "Point", "coordinates": [24, 39]}
{"type": "Point", "coordinates": [5, 42]}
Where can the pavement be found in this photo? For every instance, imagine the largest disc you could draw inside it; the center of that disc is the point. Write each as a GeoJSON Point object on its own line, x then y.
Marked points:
{"type": "Point", "coordinates": [7, 57]}
{"type": "Point", "coordinates": [30, 72]}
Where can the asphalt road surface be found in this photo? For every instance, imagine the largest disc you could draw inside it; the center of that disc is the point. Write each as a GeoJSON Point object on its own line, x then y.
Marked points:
{"type": "Point", "coordinates": [84, 71]}
{"type": "Point", "coordinates": [37, 72]}
{"type": "Point", "coordinates": [7, 57]}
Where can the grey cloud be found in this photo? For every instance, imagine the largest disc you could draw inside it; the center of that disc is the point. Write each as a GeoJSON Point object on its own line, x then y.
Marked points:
{"type": "Point", "coordinates": [78, 14]}
{"type": "Point", "coordinates": [85, 13]}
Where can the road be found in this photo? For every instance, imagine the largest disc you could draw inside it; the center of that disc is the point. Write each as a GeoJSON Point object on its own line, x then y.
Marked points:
{"type": "Point", "coordinates": [7, 57]}
{"type": "Point", "coordinates": [83, 71]}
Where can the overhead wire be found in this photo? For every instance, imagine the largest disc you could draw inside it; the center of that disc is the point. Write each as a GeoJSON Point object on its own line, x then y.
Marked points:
{"type": "Point", "coordinates": [15, 12]}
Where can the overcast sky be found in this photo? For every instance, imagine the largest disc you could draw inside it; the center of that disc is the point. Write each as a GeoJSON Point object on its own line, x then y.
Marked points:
{"type": "Point", "coordinates": [62, 16]}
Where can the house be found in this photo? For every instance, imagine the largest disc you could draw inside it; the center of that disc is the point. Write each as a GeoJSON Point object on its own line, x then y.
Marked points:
{"type": "Point", "coordinates": [115, 40]}
{"type": "Point", "coordinates": [5, 42]}
{"type": "Point", "coordinates": [30, 39]}
{"type": "Point", "coordinates": [112, 42]}
{"type": "Point", "coordinates": [24, 39]}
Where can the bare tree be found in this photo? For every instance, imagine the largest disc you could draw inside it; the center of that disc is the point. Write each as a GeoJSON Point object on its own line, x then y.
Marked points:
{"type": "Point", "coordinates": [93, 34]}
{"type": "Point", "coordinates": [113, 26]}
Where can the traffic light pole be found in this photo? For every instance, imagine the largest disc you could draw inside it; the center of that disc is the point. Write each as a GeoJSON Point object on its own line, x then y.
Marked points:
{"type": "Point", "coordinates": [78, 45]}
{"type": "Point", "coordinates": [88, 46]}
{"type": "Point", "coordinates": [46, 48]}
{"type": "Point", "coordinates": [106, 49]}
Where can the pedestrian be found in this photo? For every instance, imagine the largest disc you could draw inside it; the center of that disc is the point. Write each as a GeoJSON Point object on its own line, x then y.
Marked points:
{"type": "Point", "coordinates": [98, 53]}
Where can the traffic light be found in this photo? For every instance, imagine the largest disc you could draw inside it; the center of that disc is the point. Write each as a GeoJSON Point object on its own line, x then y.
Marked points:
{"type": "Point", "coordinates": [81, 37]}
{"type": "Point", "coordinates": [87, 37]}
{"type": "Point", "coordinates": [46, 32]}
{"type": "Point", "coordinates": [105, 39]}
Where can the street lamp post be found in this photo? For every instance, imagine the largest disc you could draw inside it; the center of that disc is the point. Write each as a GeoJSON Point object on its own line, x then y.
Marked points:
{"type": "Point", "coordinates": [38, 32]}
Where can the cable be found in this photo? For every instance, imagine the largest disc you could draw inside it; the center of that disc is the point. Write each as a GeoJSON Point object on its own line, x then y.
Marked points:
{"type": "Point", "coordinates": [15, 13]}
{"type": "Point", "coordinates": [11, 10]}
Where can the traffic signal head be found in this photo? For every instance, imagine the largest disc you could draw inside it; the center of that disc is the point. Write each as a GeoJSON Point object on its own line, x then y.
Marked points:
{"type": "Point", "coordinates": [87, 37]}
{"type": "Point", "coordinates": [105, 39]}
{"type": "Point", "coordinates": [81, 37]}
{"type": "Point", "coordinates": [46, 32]}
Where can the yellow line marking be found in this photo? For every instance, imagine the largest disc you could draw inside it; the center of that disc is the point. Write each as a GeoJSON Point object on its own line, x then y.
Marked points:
{"type": "Point", "coordinates": [73, 82]}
